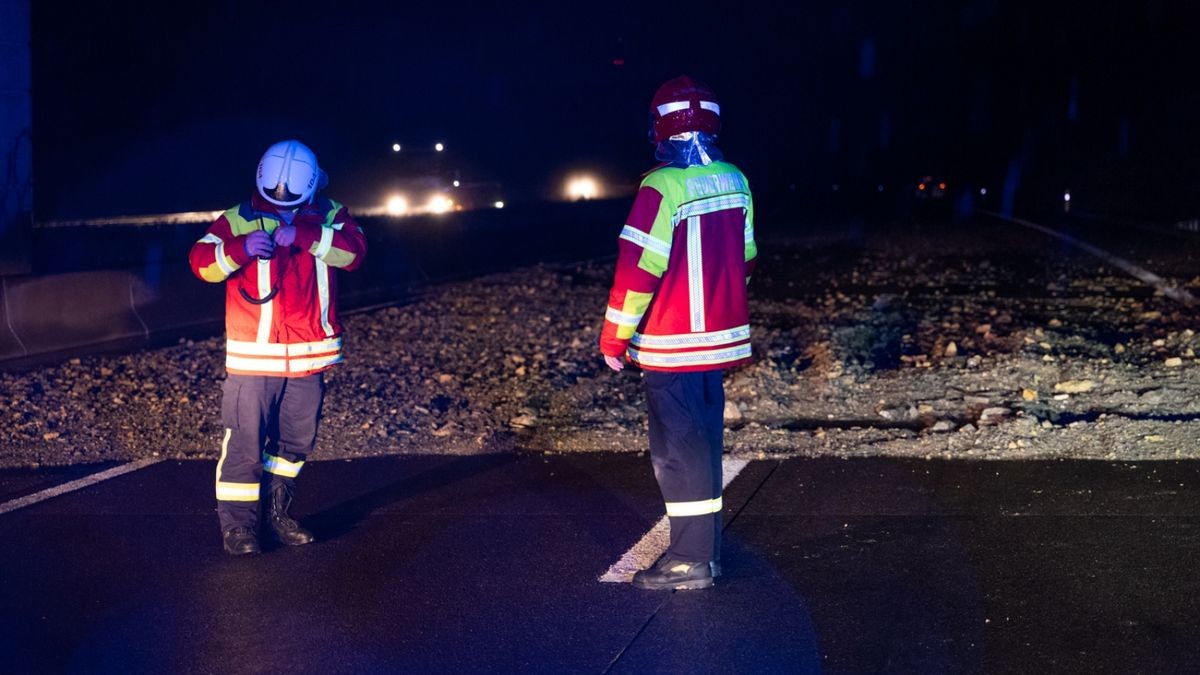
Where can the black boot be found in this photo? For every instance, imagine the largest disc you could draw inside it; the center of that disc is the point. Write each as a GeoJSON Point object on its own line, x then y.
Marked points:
{"type": "Point", "coordinates": [280, 525]}
{"type": "Point", "coordinates": [240, 541]}
{"type": "Point", "coordinates": [675, 575]}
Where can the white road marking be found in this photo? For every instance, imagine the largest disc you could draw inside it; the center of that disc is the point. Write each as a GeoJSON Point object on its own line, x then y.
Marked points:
{"type": "Point", "coordinates": [1175, 293]}
{"type": "Point", "coordinates": [654, 543]}
{"type": "Point", "coordinates": [77, 484]}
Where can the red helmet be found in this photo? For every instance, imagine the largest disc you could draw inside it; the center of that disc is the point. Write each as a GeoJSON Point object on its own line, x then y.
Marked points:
{"type": "Point", "coordinates": [683, 105]}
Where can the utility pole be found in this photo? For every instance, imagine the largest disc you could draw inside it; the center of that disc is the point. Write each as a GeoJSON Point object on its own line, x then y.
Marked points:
{"type": "Point", "coordinates": [16, 137]}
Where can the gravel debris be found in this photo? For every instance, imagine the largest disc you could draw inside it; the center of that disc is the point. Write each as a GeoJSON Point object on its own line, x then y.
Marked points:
{"type": "Point", "coordinates": [951, 346]}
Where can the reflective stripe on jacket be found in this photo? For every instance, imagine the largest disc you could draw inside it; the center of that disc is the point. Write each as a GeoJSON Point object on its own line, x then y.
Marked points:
{"type": "Point", "coordinates": [678, 300]}
{"type": "Point", "coordinates": [281, 313]}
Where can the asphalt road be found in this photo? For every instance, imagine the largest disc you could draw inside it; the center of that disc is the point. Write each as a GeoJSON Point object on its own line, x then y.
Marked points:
{"type": "Point", "coordinates": [490, 564]}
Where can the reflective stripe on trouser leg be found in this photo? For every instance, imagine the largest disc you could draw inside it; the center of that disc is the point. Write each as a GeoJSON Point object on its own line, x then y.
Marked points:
{"type": "Point", "coordinates": [247, 406]}
{"type": "Point", "coordinates": [685, 450]}
{"type": "Point", "coordinates": [274, 464]}
{"type": "Point", "coordinates": [294, 432]}
{"type": "Point", "coordinates": [232, 491]}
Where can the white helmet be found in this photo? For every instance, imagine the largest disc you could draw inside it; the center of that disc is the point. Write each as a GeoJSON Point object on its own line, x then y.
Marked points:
{"type": "Point", "coordinates": [288, 174]}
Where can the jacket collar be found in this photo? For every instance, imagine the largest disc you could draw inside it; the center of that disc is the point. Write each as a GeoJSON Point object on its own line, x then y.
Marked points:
{"type": "Point", "coordinates": [262, 207]}
{"type": "Point", "coordinates": [258, 207]}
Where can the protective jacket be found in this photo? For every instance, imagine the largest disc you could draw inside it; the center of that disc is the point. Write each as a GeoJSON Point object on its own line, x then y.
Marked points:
{"type": "Point", "coordinates": [678, 301]}
{"type": "Point", "coordinates": [281, 312]}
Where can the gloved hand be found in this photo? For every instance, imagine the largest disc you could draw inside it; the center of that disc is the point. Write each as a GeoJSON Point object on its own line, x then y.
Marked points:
{"type": "Point", "coordinates": [259, 244]}
{"type": "Point", "coordinates": [285, 235]}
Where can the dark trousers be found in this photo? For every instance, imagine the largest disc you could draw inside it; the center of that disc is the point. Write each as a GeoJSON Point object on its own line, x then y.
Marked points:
{"type": "Point", "coordinates": [687, 428]}
{"type": "Point", "coordinates": [270, 426]}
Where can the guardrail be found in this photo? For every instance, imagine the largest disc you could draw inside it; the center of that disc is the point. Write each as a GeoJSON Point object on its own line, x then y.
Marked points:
{"type": "Point", "coordinates": [1192, 225]}
{"type": "Point", "coordinates": [120, 287]}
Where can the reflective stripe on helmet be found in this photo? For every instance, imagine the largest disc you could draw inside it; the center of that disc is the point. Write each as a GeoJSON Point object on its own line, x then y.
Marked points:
{"type": "Point", "coordinates": [676, 106]}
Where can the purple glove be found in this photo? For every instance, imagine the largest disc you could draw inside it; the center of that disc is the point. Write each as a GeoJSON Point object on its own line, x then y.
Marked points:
{"type": "Point", "coordinates": [259, 244]}
{"type": "Point", "coordinates": [285, 235]}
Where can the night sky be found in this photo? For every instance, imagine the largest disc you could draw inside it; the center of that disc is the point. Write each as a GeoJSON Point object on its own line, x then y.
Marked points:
{"type": "Point", "coordinates": [162, 107]}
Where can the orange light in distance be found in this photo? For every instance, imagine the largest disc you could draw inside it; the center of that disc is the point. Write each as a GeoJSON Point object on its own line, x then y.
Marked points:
{"type": "Point", "coordinates": [396, 205]}
{"type": "Point", "coordinates": [582, 187]}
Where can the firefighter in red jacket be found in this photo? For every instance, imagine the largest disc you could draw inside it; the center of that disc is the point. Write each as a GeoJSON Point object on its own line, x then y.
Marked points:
{"type": "Point", "coordinates": [277, 254]}
{"type": "Point", "coordinates": [678, 310]}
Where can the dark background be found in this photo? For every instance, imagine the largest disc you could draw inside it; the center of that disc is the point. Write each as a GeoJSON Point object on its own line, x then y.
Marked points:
{"type": "Point", "coordinates": [160, 107]}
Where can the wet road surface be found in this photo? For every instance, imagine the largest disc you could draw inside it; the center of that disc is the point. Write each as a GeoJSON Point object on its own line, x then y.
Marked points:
{"type": "Point", "coordinates": [490, 564]}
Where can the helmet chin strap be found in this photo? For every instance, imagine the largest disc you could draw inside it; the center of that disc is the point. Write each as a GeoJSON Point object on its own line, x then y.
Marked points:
{"type": "Point", "coordinates": [704, 158]}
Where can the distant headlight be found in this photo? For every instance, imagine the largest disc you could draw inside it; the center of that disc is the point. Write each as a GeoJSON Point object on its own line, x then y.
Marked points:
{"type": "Point", "coordinates": [396, 205]}
{"type": "Point", "coordinates": [582, 187]}
{"type": "Point", "coordinates": [440, 204]}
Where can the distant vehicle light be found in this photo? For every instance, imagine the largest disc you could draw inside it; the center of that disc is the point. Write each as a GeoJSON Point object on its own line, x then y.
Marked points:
{"type": "Point", "coordinates": [395, 147]}
{"type": "Point", "coordinates": [396, 205]}
{"type": "Point", "coordinates": [1066, 196]}
{"type": "Point", "coordinates": [499, 205]}
{"type": "Point", "coordinates": [582, 187]}
{"type": "Point", "coordinates": [456, 183]}
{"type": "Point", "coordinates": [921, 187]}
{"type": "Point", "coordinates": [440, 204]}
{"type": "Point", "coordinates": [941, 186]}
{"type": "Point", "coordinates": [879, 188]}
{"type": "Point", "coordinates": [439, 147]}
{"type": "Point", "coordinates": [982, 192]}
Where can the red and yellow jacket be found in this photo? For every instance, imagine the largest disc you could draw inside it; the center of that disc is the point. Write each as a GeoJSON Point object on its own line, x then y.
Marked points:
{"type": "Point", "coordinates": [678, 300]}
{"type": "Point", "coordinates": [281, 313]}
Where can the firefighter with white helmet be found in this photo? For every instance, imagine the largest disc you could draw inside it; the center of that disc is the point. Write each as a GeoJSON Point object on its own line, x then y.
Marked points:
{"type": "Point", "coordinates": [678, 309]}
{"type": "Point", "coordinates": [277, 255]}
